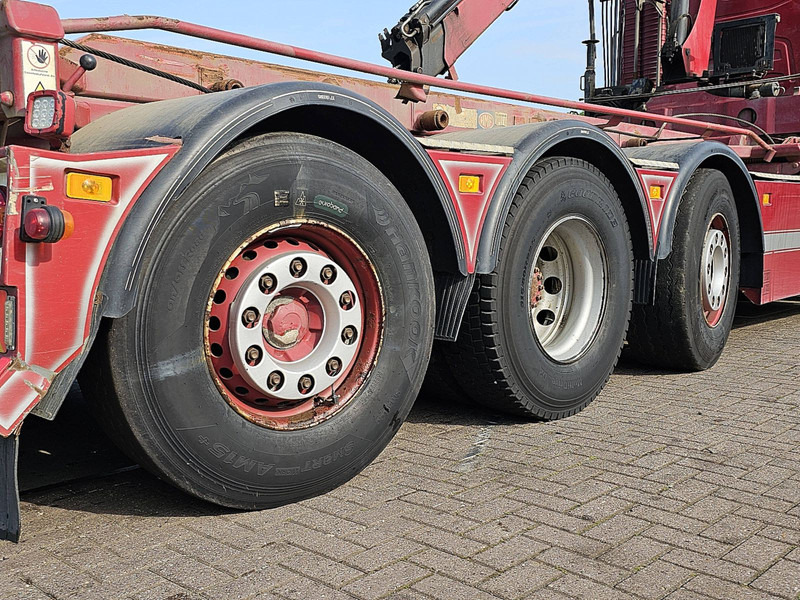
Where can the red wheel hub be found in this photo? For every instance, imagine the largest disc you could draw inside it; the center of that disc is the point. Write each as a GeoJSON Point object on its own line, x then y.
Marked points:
{"type": "Point", "coordinates": [294, 326]}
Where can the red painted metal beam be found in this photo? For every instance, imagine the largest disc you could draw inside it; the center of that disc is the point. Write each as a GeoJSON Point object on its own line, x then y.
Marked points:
{"type": "Point", "coordinates": [127, 23]}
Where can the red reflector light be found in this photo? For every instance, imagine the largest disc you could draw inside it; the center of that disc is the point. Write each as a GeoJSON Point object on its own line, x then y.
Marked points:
{"type": "Point", "coordinates": [38, 224]}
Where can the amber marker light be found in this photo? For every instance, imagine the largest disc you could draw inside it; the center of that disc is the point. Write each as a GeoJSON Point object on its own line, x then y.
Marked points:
{"type": "Point", "coordinates": [470, 184]}
{"type": "Point", "coordinates": [656, 192]}
{"type": "Point", "coordinates": [83, 186]}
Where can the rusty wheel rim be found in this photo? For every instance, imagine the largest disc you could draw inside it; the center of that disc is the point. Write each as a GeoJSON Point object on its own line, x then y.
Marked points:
{"type": "Point", "coordinates": [715, 275]}
{"type": "Point", "coordinates": [294, 325]}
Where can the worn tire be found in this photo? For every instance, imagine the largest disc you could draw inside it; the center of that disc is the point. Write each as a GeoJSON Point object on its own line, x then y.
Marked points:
{"type": "Point", "coordinates": [673, 332]}
{"type": "Point", "coordinates": [498, 358]}
{"type": "Point", "coordinates": [149, 373]}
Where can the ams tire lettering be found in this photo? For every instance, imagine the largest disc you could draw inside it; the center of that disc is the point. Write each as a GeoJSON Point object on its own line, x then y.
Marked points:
{"type": "Point", "coordinates": [248, 465]}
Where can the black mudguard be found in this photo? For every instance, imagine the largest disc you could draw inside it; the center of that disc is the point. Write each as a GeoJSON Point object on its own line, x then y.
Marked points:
{"type": "Point", "coordinates": [9, 493]}
{"type": "Point", "coordinates": [205, 126]}
{"type": "Point", "coordinates": [686, 158]}
{"type": "Point", "coordinates": [532, 142]}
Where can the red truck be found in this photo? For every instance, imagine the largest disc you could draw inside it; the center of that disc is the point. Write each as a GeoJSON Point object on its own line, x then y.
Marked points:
{"type": "Point", "coordinates": [246, 265]}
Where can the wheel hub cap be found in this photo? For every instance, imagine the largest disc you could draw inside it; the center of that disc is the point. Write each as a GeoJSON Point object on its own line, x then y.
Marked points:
{"type": "Point", "coordinates": [302, 327]}
{"type": "Point", "coordinates": [286, 322]}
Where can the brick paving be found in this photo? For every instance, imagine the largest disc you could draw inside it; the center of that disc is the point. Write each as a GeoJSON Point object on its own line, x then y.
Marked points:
{"type": "Point", "coordinates": [684, 487]}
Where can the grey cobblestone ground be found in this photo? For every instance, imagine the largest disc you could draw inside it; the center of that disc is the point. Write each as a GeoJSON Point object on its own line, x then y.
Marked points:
{"type": "Point", "coordinates": [684, 487]}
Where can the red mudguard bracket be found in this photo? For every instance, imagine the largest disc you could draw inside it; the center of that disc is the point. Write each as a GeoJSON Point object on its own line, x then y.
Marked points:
{"type": "Point", "coordinates": [471, 202]}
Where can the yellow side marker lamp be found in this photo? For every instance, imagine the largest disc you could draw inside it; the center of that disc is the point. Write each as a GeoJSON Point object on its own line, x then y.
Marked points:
{"type": "Point", "coordinates": [766, 199]}
{"type": "Point", "coordinates": [470, 184]}
{"type": "Point", "coordinates": [656, 192]}
{"type": "Point", "coordinates": [83, 186]}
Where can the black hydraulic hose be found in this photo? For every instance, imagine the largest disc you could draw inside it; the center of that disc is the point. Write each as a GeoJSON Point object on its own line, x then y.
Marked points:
{"type": "Point", "coordinates": [134, 65]}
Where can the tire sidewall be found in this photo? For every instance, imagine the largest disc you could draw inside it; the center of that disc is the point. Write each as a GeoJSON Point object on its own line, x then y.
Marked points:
{"type": "Point", "coordinates": [561, 389]}
{"type": "Point", "coordinates": [710, 195]}
{"type": "Point", "coordinates": [179, 417]}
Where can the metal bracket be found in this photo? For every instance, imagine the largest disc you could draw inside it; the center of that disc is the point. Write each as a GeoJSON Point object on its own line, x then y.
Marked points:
{"type": "Point", "coordinates": [9, 493]}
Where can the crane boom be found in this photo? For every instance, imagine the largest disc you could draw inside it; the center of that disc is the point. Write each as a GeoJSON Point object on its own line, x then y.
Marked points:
{"type": "Point", "coordinates": [435, 33]}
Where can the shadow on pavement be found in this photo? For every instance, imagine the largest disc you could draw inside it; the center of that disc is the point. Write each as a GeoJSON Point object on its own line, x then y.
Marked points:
{"type": "Point", "coordinates": [748, 314]}
{"type": "Point", "coordinates": [71, 463]}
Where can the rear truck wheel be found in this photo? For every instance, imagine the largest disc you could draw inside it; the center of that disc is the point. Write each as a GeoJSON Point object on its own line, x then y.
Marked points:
{"type": "Point", "coordinates": [696, 285]}
{"type": "Point", "coordinates": [282, 328]}
{"type": "Point", "coordinates": [543, 332]}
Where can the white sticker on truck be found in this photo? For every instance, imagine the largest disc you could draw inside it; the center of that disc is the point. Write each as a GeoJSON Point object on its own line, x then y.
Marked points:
{"type": "Point", "coordinates": [38, 67]}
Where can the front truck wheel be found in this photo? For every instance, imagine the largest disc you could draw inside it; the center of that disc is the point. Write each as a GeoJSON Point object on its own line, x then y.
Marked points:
{"type": "Point", "coordinates": [543, 332]}
{"type": "Point", "coordinates": [282, 328]}
{"type": "Point", "coordinates": [696, 286]}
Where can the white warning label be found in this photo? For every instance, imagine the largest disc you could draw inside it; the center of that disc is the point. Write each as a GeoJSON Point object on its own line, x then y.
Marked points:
{"type": "Point", "coordinates": [38, 67]}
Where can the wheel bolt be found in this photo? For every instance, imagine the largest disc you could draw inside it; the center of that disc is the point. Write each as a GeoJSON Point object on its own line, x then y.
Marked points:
{"type": "Point", "coordinates": [249, 317]}
{"type": "Point", "coordinates": [328, 274]}
{"type": "Point", "coordinates": [253, 355]}
{"type": "Point", "coordinates": [333, 367]}
{"type": "Point", "coordinates": [349, 335]}
{"type": "Point", "coordinates": [347, 301]}
{"type": "Point", "coordinates": [267, 283]}
{"type": "Point", "coordinates": [275, 381]}
{"type": "Point", "coordinates": [297, 267]}
{"type": "Point", "coordinates": [305, 384]}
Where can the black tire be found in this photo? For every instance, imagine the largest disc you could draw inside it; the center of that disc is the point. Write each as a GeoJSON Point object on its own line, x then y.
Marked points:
{"type": "Point", "coordinates": [498, 357]}
{"type": "Point", "coordinates": [673, 333]}
{"type": "Point", "coordinates": [148, 373]}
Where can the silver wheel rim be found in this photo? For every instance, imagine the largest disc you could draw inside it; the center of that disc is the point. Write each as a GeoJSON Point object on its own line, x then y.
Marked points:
{"type": "Point", "coordinates": [715, 269]}
{"type": "Point", "coordinates": [569, 289]}
{"type": "Point", "coordinates": [337, 320]}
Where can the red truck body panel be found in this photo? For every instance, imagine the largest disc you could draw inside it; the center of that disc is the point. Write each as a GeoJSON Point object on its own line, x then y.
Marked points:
{"type": "Point", "coordinates": [55, 284]}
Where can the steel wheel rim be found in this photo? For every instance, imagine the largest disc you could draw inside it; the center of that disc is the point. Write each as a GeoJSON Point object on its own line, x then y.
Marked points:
{"type": "Point", "coordinates": [294, 325]}
{"type": "Point", "coordinates": [715, 270]}
{"type": "Point", "coordinates": [568, 289]}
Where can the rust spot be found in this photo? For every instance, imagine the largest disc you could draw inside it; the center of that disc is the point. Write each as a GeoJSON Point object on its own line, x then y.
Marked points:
{"type": "Point", "coordinates": [35, 388]}
{"type": "Point", "coordinates": [160, 139]}
{"type": "Point", "coordinates": [17, 364]}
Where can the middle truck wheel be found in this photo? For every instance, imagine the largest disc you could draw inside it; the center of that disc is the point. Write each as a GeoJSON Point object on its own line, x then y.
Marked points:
{"type": "Point", "coordinates": [543, 332]}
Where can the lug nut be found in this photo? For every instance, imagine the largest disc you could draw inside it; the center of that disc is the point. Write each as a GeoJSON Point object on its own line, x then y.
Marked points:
{"type": "Point", "coordinates": [305, 384]}
{"type": "Point", "coordinates": [297, 267]}
{"type": "Point", "coordinates": [328, 274]}
{"type": "Point", "coordinates": [333, 367]}
{"type": "Point", "coordinates": [253, 355]}
{"type": "Point", "coordinates": [267, 283]}
{"type": "Point", "coordinates": [275, 381]}
{"type": "Point", "coordinates": [249, 317]}
{"type": "Point", "coordinates": [349, 335]}
{"type": "Point", "coordinates": [347, 301]}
